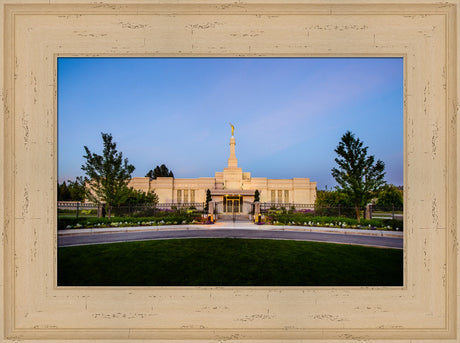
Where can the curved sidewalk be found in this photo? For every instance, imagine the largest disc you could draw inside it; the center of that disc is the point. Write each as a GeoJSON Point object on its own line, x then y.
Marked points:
{"type": "Point", "coordinates": [389, 239]}
{"type": "Point", "coordinates": [235, 225]}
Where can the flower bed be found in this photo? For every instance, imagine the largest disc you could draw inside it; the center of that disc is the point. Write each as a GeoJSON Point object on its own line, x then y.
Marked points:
{"type": "Point", "coordinates": [170, 219]}
{"type": "Point", "coordinates": [301, 219]}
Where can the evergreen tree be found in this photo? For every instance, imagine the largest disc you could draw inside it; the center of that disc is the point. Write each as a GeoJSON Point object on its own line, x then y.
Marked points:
{"type": "Point", "coordinates": [358, 175]}
{"type": "Point", "coordinates": [63, 192]}
{"type": "Point", "coordinates": [107, 175]}
{"type": "Point", "coordinates": [77, 189]}
{"type": "Point", "coordinates": [256, 195]}
{"type": "Point", "coordinates": [159, 171]}
{"type": "Point", "coordinates": [208, 199]}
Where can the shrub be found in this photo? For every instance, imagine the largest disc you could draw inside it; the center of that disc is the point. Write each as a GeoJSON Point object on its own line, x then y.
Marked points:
{"type": "Point", "coordinates": [298, 217]}
{"type": "Point", "coordinates": [88, 212]}
{"type": "Point", "coordinates": [164, 216]}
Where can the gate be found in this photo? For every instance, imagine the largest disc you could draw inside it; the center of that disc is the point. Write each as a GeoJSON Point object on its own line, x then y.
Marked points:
{"type": "Point", "coordinates": [221, 210]}
{"type": "Point", "coordinates": [248, 207]}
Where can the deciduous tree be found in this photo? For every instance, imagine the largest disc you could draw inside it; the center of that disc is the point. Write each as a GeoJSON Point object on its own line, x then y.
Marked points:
{"type": "Point", "coordinates": [138, 197]}
{"type": "Point", "coordinates": [333, 203]}
{"type": "Point", "coordinates": [390, 196]}
{"type": "Point", "coordinates": [107, 175]}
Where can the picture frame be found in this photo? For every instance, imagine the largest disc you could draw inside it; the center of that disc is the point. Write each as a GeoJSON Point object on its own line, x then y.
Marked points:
{"type": "Point", "coordinates": [35, 34]}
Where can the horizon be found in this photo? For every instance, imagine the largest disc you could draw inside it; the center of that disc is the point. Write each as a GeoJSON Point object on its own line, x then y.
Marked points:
{"type": "Point", "coordinates": [289, 113]}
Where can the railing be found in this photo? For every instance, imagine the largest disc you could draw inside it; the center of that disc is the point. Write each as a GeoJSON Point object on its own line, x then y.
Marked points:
{"type": "Point", "coordinates": [78, 209]}
{"type": "Point", "coordinates": [181, 205]}
{"type": "Point", "coordinates": [387, 212]}
{"type": "Point", "coordinates": [285, 205]}
{"type": "Point", "coordinates": [370, 211]}
{"type": "Point", "coordinates": [72, 205]}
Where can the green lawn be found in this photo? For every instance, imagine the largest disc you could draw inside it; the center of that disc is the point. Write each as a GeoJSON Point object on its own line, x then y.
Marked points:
{"type": "Point", "coordinates": [228, 262]}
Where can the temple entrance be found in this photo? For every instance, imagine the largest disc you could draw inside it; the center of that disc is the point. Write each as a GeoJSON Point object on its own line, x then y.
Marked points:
{"type": "Point", "coordinates": [233, 204]}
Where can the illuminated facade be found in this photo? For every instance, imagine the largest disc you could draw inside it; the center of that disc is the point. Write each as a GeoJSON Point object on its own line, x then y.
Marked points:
{"type": "Point", "coordinates": [232, 189]}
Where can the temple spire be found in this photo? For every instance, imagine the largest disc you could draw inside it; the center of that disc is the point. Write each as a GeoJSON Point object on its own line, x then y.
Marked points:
{"type": "Point", "coordinates": [232, 161]}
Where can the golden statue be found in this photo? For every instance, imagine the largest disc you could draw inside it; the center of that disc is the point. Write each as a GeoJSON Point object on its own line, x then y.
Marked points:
{"type": "Point", "coordinates": [233, 128]}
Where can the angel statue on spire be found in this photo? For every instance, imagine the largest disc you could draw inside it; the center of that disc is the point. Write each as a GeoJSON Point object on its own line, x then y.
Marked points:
{"type": "Point", "coordinates": [233, 129]}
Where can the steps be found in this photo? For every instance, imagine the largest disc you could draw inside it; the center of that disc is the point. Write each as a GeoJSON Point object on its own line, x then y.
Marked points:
{"type": "Point", "coordinates": [229, 217]}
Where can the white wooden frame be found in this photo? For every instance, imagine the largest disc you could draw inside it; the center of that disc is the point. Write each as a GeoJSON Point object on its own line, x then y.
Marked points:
{"type": "Point", "coordinates": [424, 33]}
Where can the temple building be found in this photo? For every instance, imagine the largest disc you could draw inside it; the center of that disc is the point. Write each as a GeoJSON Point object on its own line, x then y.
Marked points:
{"type": "Point", "coordinates": [232, 190]}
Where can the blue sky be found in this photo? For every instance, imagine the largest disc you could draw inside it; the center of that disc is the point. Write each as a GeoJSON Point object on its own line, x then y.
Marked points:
{"type": "Point", "coordinates": [289, 113]}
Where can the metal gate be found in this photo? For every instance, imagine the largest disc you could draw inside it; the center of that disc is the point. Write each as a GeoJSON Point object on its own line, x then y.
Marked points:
{"type": "Point", "coordinates": [221, 210]}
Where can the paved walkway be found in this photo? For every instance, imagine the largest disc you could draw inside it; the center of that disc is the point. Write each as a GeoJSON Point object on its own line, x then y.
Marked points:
{"type": "Point", "coordinates": [389, 239]}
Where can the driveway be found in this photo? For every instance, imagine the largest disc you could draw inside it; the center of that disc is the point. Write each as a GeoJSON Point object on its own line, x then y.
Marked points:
{"type": "Point", "coordinates": [227, 231]}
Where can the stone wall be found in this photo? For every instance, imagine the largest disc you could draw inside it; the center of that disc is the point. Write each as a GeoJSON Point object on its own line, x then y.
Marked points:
{"type": "Point", "coordinates": [296, 190]}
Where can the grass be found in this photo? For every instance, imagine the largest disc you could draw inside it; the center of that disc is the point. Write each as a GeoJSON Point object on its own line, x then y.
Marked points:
{"type": "Point", "coordinates": [228, 262]}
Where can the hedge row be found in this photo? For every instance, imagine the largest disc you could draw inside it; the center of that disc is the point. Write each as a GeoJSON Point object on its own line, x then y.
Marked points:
{"type": "Point", "coordinates": [177, 218]}
{"type": "Point", "coordinates": [306, 219]}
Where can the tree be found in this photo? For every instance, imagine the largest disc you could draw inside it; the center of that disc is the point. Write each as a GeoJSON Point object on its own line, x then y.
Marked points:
{"type": "Point", "coordinates": [358, 175]}
{"type": "Point", "coordinates": [208, 199]}
{"type": "Point", "coordinates": [107, 175]}
{"type": "Point", "coordinates": [63, 192]}
{"type": "Point", "coordinates": [333, 203]}
{"type": "Point", "coordinates": [138, 197]}
{"type": "Point", "coordinates": [331, 198]}
{"type": "Point", "coordinates": [390, 196]}
{"type": "Point", "coordinates": [72, 190]}
{"type": "Point", "coordinates": [77, 189]}
{"type": "Point", "coordinates": [256, 195]}
{"type": "Point", "coordinates": [159, 171]}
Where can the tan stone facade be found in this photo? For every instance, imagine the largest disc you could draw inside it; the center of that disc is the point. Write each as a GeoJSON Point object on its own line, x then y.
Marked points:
{"type": "Point", "coordinates": [230, 188]}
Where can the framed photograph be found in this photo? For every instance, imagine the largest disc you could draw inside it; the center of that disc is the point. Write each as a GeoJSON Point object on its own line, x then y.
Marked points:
{"type": "Point", "coordinates": [208, 198]}
{"type": "Point", "coordinates": [36, 34]}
